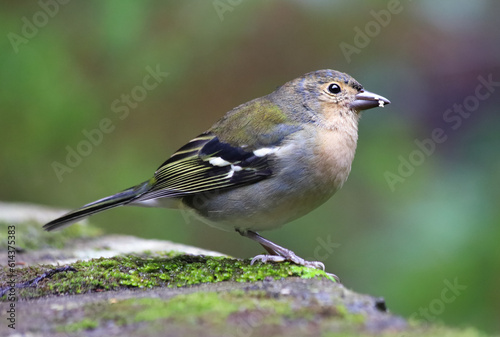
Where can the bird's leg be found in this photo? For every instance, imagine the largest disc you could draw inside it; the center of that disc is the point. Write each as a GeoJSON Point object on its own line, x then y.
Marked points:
{"type": "Point", "coordinates": [278, 253]}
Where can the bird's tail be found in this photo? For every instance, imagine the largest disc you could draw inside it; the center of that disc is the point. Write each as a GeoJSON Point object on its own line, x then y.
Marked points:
{"type": "Point", "coordinates": [115, 200]}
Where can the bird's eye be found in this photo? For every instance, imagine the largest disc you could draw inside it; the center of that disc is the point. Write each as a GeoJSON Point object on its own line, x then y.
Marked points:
{"type": "Point", "coordinates": [334, 88]}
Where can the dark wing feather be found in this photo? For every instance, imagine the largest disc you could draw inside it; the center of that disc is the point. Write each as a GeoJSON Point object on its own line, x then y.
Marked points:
{"type": "Point", "coordinates": [205, 164]}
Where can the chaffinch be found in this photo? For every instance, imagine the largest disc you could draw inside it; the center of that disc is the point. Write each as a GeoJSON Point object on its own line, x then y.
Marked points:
{"type": "Point", "coordinates": [265, 163]}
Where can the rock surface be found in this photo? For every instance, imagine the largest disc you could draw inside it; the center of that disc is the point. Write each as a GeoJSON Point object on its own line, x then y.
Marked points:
{"type": "Point", "coordinates": [135, 287]}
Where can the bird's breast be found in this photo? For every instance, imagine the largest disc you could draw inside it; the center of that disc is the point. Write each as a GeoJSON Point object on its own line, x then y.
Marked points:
{"type": "Point", "coordinates": [334, 153]}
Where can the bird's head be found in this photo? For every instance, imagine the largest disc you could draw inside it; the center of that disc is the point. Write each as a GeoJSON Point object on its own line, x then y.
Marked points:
{"type": "Point", "coordinates": [328, 94]}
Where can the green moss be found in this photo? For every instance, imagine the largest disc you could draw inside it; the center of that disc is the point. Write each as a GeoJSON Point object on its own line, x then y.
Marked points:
{"type": "Point", "coordinates": [189, 309]}
{"type": "Point", "coordinates": [253, 312]}
{"type": "Point", "coordinates": [148, 271]}
{"type": "Point", "coordinates": [184, 307]}
{"type": "Point", "coordinates": [84, 324]}
{"type": "Point", "coordinates": [246, 311]}
{"type": "Point", "coordinates": [349, 317]}
{"type": "Point", "coordinates": [427, 332]}
{"type": "Point", "coordinates": [29, 235]}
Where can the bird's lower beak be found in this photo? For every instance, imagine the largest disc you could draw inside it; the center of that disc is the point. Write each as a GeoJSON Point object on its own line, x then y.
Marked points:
{"type": "Point", "coordinates": [366, 100]}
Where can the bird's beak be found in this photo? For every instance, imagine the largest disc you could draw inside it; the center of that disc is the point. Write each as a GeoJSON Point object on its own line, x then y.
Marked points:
{"type": "Point", "coordinates": [366, 100]}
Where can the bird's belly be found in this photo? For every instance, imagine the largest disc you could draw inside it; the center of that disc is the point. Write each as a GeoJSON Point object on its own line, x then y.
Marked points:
{"type": "Point", "coordinates": [305, 177]}
{"type": "Point", "coordinates": [246, 210]}
{"type": "Point", "coordinates": [265, 205]}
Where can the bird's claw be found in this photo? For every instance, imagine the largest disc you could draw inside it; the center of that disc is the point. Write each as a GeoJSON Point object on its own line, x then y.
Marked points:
{"type": "Point", "coordinates": [281, 254]}
{"type": "Point", "coordinates": [293, 258]}
{"type": "Point", "coordinates": [267, 258]}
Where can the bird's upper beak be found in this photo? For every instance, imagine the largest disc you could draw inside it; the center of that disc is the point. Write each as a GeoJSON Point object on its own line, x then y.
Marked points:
{"type": "Point", "coordinates": [367, 100]}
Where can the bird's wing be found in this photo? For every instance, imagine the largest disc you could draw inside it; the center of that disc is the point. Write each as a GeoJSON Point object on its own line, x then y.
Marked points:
{"type": "Point", "coordinates": [204, 164]}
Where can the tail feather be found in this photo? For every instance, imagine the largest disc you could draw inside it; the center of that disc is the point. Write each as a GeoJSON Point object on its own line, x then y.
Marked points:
{"type": "Point", "coordinates": [100, 205]}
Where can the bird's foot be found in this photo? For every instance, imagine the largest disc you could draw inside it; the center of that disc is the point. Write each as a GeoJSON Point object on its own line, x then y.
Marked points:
{"type": "Point", "coordinates": [281, 254]}
{"type": "Point", "coordinates": [291, 257]}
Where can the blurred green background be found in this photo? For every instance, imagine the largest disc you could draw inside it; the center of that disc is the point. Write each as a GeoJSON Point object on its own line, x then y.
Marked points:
{"type": "Point", "coordinates": [64, 66]}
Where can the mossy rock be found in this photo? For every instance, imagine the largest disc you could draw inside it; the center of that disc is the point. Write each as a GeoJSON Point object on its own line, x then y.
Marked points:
{"type": "Point", "coordinates": [174, 290]}
{"type": "Point", "coordinates": [148, 270]}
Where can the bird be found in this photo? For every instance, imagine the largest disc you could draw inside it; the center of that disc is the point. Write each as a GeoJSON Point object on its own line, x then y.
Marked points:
{"type": "Point", "coordinates": [263, 164]}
